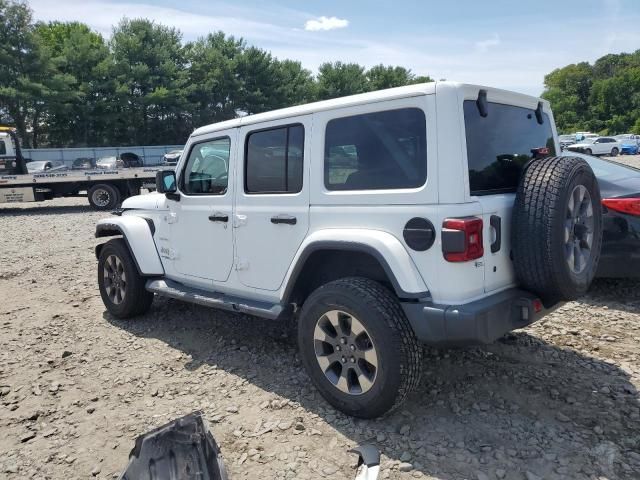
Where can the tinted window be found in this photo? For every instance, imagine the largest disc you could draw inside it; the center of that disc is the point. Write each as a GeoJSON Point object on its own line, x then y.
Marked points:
{"type": "Point", "coordinates": [380, 150]}
{"type": "Point", "coordinates": [207, 169]}
{"type": "Point", "coordinates": [499, 145]}
{"type": "Point", "coordinates": [3, 148]}
{"type": "Point", "coordinates": [274, 160]}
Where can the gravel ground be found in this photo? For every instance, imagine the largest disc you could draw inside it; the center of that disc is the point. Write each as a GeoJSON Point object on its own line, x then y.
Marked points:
{"type": "Point", "coordinates": [556, 400]}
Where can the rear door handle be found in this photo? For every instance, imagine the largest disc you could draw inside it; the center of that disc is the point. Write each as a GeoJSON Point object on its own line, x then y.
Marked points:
{"type": "Point", "coordinates": [219, 217]}
{"type": "Point", "coordinates": [287, 219]}
{"type": "Point", "coordinates": [496, 222]}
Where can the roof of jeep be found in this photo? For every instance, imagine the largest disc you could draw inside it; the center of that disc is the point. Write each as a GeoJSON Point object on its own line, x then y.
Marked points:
{"type": "Point", "coordinates": [341, 102]}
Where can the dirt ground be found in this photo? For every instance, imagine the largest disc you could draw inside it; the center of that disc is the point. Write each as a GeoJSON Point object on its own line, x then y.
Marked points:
{"type": "Point", "coordinates": [556, 400]}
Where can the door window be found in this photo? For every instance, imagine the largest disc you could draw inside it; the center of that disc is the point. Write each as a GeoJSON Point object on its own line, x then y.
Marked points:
{"type": "Point", "coordinates": [500, 144]}
{"type": "Point", "coordinates": [207, 169]}
{"type": "Point", "coordinates": [274, 160]}
{"type": "Point", "coordinates": [373, 151]}
{"type": "Point", "coordinates": [3, 148]}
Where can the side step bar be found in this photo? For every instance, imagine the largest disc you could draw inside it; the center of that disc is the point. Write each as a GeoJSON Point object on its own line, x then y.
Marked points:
{"type": "Point", "coordinates": [171, 289]}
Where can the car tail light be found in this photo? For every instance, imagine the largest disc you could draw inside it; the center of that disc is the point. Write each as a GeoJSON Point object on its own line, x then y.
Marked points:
{"type": "Point", "coordinates": [462, 239]}
{"type": "Point", "coordinates": [630, 206]}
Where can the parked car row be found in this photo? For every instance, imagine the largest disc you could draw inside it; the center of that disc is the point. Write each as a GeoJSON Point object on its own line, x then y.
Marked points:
{"type": "Point", "coordinates": [125, 160]}
{"type": "Point", "coordinates": [592, 144]}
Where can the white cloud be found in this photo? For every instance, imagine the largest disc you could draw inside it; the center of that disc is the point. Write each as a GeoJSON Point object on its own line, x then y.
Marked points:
{"type": "Point", "coordinates": [325, 23]}
{"type": "Point", "coordinates": [484, 45]}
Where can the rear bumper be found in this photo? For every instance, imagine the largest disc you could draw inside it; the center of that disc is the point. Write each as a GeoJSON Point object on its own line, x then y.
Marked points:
{"type": "Point", "coordinates": [481, 321]}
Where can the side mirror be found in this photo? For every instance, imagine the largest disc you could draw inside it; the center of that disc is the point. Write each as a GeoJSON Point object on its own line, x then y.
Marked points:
{"type": "Point", "coordinates": [166, 181]}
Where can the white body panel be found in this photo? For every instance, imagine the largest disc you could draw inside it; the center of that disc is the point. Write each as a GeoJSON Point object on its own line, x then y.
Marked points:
{"type": "Point", "coordinates": [136, 232]}
{"type": "Point", "coordinates": [264, 250]}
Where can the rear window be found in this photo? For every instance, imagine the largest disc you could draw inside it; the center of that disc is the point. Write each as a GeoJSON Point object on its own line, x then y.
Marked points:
{"type": "Point", "coordinates": [500, 144]}
{"type": "Point", "coordinates": [373, 151]}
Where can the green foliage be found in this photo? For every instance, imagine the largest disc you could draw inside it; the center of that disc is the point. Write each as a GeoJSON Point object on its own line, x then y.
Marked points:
{"type": "Point", "coordinates": [603, 97]}
{"type": "Point", "coordinates": [62, 84]}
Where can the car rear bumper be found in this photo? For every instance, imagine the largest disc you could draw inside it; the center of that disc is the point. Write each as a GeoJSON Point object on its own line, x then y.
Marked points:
{"type": "Point", "coordinates": [481, 321]}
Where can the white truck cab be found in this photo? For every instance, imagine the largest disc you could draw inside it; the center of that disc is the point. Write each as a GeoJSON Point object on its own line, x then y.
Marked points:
{"type": "Point", "coordinates": [434, 213]}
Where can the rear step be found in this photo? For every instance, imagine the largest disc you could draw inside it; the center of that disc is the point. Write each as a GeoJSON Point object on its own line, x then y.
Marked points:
{"type": "Point", "coordinates": [171, 289]}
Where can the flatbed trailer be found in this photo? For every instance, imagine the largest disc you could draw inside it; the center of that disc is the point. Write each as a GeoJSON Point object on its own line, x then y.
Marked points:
{"type": "Point", "coordinates": [105, 188]}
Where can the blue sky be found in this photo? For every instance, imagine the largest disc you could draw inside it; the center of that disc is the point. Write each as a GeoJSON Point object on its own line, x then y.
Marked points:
{"type": "Point", "coordinates": [502, 43]}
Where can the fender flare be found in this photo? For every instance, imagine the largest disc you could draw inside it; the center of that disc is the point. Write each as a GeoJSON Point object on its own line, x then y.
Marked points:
{"type": "Point", "coordinates": [138, 235]}
{"type": "Point", "coordinates": [384, 247]}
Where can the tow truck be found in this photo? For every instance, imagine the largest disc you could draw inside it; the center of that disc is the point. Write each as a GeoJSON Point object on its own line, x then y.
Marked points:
{"type": "Point", "coordinates": [105, 188]}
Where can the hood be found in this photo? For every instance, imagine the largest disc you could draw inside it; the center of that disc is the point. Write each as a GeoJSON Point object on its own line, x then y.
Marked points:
{"type": "Point", "coordinates": [148, 201]}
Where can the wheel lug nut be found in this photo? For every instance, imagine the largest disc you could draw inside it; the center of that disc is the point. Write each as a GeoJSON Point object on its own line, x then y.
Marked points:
{"type": "Point", "coordinates": [353, 348]}
{"type": "Point", "coordinates": [344, 360]}
{"type": "Point", "coordinates": [338, 348]}
{"type": "Point", "coordinates": [343, 340]}
{"type": "Point", "coordinates": [353, 360]}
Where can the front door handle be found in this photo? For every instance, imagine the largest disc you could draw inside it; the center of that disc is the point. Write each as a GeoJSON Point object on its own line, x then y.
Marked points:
{"type": "Point", "coordinates": [219, 217]}
{"type": "Point", "coordinates": [286, 219]}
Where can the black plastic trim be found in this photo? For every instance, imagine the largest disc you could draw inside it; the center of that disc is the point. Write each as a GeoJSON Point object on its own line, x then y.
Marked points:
{"type": "Point", "coordinates": [453, 241]}
{"type": "Point", "coordinates": [219, 218]}
{"type": "Point", "coordinates": [419, 234]}
{"type": "Point", "coordinates": [369, 455]}
{"type": "Point", "coordinates": [353, 247]}
{"type": "Point", "coordinates": [478, 322]}
{"type": "Point", "coordinates": [482, 103]}
{"type": "Point", "coordinates": [539, 115]}
{"type": "Point", "coordinates": [496, 222]}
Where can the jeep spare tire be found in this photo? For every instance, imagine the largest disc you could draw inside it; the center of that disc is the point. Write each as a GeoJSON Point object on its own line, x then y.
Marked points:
{"type": "Point", "coordinates": [557, 228]}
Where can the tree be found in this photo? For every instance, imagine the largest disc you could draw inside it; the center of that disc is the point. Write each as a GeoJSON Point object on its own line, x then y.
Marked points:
{"type": "Point", "coordinates": [77, 54]}
{"type": "Point", "coordinates": [340, 79]}
{"type": "Point", "coordinates": [26, 75]}
{"type": "Point", "coordinates": [381, 77]}
{"type": "Point", "coordinates": [148, 71]}
{"type": "Point", "coordinates": [212, 86]}
{"type": "Point", "coordinates": [603, 97]}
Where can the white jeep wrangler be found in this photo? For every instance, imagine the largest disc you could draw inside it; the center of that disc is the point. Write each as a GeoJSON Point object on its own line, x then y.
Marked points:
{"type": "Point", "coordinates": [433, 213]}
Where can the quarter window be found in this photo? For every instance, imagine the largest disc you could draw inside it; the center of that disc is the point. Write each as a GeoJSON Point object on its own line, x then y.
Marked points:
{"type": "Point", "coordinates": [374, 151]}
{"type": "Point", "coordinates": [207, 169]}
{"type": "Point", "coordinates": [274, 160]}
{"type": "Point", "coordinates": [500, 144]}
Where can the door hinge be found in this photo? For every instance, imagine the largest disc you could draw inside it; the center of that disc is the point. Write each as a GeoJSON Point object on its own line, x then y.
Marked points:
{"type": "Point", "coordinates": [241, 264]}
{"type": "Point", "coordinates": [239, 220]}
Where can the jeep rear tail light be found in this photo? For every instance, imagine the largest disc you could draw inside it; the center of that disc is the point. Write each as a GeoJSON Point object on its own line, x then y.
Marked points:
{"type": "Point", "coordinates": [462, 239]}
{"type": "Point", "coordinates": [630, 206]}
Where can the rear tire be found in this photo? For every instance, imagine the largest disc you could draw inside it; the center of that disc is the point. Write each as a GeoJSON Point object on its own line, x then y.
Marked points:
{"type": "Point", "coordinates": [358, 347]}
{"type": "Point", "coordinates": [588, 151]}
{"type": "Point", "coordinates": [614, 152]}
{"type": "Point", "coordinates": [122, 288]}
{"type": "Point", "coordinates": [103, 197]}
{"type": "Point", "coordinates": [557, 228]}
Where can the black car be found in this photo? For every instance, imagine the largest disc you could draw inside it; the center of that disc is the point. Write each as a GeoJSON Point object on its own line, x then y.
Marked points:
{"type": "Point", "coordinates": [620, 192]}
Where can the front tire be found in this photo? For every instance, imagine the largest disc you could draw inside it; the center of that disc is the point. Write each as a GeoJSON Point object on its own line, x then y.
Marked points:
{"type": "Point", "coordinates": [122, 288]}
{"type": "Point", "coordinates": [588, 151]}
{"type": "Point", "coordinates": [358, 347]}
